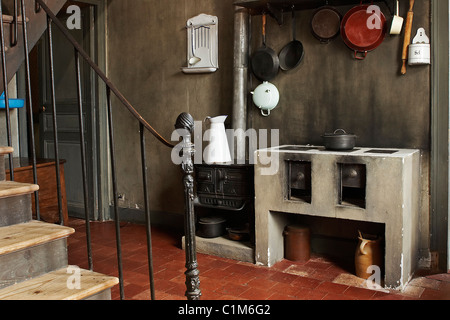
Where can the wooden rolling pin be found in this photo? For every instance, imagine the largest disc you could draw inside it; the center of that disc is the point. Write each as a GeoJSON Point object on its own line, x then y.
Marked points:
{"type": "Point", "coordinates": [407, 39]}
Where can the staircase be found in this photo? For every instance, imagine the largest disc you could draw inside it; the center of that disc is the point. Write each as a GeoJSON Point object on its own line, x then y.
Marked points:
{"type": "Point", "coordinates": [33, 254]}
{"type": "Point", "coordinates": [36, 25]}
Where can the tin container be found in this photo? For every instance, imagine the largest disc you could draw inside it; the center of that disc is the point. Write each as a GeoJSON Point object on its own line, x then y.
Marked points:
{"type": "Point", "coordinates": [297, 244]}
{"type": "Point", "coordinates": [419, 50]}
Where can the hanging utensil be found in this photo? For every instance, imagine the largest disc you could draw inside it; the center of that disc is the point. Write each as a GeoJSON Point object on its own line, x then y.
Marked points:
{"type": "Point", "coordinates": [265, 63]}
{"type": "Point", "coordinates": [407, 40]}
{"type": "Point", "coordinates": [266, 97]}
{"type": "Point", "coordinates": [292, 54]}
{"type": "Point", "coordinates": [355, 33]}
{"type": "Point", "coordinates": [397, 21]}
{"type": "Point", "coordinates": [325, 24]}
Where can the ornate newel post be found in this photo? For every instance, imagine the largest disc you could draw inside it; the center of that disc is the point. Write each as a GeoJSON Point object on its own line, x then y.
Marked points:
{"type": "Point", "coordinates": [185, 125]}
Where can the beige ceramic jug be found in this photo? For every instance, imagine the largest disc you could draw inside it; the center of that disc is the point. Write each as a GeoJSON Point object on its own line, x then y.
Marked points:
{"type": "Point", "coordinates": [368, 253]}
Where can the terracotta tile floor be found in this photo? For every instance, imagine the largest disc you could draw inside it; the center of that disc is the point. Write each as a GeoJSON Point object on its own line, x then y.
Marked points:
{"type": "Point", "coordinates": [226, 279]}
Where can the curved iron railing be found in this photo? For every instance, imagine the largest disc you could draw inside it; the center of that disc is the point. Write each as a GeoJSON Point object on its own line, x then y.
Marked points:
{"type": "Point", "coordinates": [184, 122]}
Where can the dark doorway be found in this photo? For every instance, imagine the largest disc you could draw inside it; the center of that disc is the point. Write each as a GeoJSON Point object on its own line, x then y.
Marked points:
{"type": "Point", "coordinates": [66, 100]}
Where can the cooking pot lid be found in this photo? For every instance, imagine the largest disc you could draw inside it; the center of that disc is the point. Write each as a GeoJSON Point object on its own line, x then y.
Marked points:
{"type": "Point", "coordinates": [211, 220]}
{"type": "Point", "coordinates": [338, 133]}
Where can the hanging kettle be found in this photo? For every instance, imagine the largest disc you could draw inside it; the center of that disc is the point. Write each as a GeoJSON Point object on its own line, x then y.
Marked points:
{"type": "Point", "coordinates": [266, 97]}
{"type": "Point", "coordinates": [217, 151]}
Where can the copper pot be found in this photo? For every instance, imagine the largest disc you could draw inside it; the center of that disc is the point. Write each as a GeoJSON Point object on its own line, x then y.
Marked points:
{"type": "Point", "coordinates": [326, 24]}
{"type": "Point", "coordinates": [238, 234]}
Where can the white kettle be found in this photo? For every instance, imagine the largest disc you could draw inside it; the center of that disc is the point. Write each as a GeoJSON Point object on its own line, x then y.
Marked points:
{"type": "Point", "coordinates": [217, 151]}
{"type": "Point", "coordinates": [266, 97]}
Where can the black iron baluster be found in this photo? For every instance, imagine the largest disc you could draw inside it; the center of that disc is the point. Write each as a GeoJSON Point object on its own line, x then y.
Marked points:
{"type": "Point", "coordinates": [185, 123]}
{"type": "Point", "coordinates": [55, 126]}
{"type": "Point", "coordinates": [31, 143]}
{"type": "Point", "coordinates": [114, 185]}
{"type": "Point", "coordinates": [147, 212]}
{"type": "Point", "coordinates": [15, 27]}
{"type": "Point", "coordinates": [83, 157]}
{"type": "Point", "coordinates": [37, 7]}
{"type": "Point", "coordinates": [5, 86]}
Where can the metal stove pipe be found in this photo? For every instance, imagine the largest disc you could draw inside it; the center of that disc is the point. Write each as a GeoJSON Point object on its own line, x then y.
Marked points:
{"type": "Point", "coordinates": [240, 78]}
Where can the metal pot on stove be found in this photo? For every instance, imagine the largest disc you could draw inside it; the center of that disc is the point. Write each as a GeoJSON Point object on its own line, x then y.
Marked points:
{"type": "Point", "coordinates": [339, 140]}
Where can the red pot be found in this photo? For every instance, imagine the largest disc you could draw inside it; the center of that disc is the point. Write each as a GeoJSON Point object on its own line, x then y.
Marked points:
{"type": "Point", "coordinates": [363, 29]}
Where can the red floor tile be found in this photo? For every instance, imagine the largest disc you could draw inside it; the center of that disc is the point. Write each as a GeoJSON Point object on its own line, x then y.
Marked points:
{"type": "Point", "coordinates": [331, 287]}
{"type": "Point", "coordinates": [359, 293]}
{"type": "Point", "coordinates": [226, 279]}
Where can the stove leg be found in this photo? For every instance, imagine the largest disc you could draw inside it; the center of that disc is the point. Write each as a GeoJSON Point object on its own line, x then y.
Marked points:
{"type": "Point", "coordinates": [185, 121]}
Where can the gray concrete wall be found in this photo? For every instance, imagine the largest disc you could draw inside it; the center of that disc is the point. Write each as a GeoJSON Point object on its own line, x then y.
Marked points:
{"type": "Point", "coordinates": [146, 49]}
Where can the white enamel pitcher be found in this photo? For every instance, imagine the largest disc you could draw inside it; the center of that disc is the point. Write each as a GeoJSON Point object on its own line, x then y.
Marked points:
{"type": "Point", "coordinates": [217, 151]}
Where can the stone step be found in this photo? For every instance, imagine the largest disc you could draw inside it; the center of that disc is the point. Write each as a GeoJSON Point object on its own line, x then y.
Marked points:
{"type": "Point", "coordinates": [14, 210]}
{"type": "Point", "coordinates": [31, 249]}
{"type": "Point", "coordinates": [68, 283]}
{"type": "Point", "coordinates": [15, 202]}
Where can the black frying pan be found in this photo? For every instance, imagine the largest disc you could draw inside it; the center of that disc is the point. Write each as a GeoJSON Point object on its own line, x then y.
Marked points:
{"type": "Point", "coordinates": [292, 54]}
{"type": "Point", "coordinates": [265, 63]}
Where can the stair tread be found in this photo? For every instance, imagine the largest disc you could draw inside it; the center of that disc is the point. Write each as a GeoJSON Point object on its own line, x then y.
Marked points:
{"type": "Point", "coordinates": [6, 150]}
{"type": "Point", "coordinates": [9, 19]}
{"type": "Point", "coordinates": [24, 235]}
{"type": "Point", "coordinates": [12, 188]}
{"type": "Point", "coordinates": [54, 286]}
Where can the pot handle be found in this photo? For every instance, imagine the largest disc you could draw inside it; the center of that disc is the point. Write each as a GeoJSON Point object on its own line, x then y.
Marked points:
{"type": "Point", "coordinates": [362, 245]}
{"type": "Point", "coordinates": [265, 114]}
{"type": "Point", "coordinates": [360, 57]}
{"type": "Point", "coordinates": [342, 130]}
